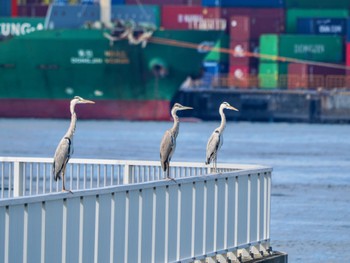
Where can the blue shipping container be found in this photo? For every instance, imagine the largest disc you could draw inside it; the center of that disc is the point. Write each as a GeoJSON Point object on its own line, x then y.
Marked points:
{"type": "Point", "coordinates": [213, 69]}
{"type": "Point", "coordinates": [60, 2]}
{"type": "Point", "coordinates": [244, 3]}
{"type": "Point", "coordinates": [87, 2]}
{"type": "Point", "coordinates": [348, 31]}
{"type": "Point", "coordinates": [118, 2]}
{"type": "Point", "coordinates": [5, 8]}
{"type": "Point", "coordinates": [71, 16]}
{"type": "Point", "coordinates": [147, 14]}
{"type": "Point", "coordinates": [321, 26]}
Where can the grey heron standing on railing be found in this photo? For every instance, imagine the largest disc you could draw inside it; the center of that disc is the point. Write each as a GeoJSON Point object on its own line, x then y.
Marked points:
{"type": "Point", "coordinates": [64, 149]}
{"type": "Point", "coordinates": [216, 139]}
{"type": "Point", "coordinates": [168, 143]}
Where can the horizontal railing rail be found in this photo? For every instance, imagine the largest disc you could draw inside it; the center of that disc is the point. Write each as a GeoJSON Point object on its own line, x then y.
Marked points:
{"type": "Point", "coordinates": [194, 218]}
{"type": "Point", "coordinates": [291, 81]}
{"type": "Point", "coordinates": [21, 176]}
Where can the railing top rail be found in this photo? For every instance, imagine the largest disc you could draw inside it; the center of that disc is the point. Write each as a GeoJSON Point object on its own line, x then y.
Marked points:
{"type": "Point", "coordinates": [130, 162]}
{"type": "Point", "coordinates": [134, 186]}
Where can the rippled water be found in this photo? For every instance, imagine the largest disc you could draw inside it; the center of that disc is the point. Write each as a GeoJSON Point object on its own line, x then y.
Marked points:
{"type": "Point", "coordinates": [310, 209]}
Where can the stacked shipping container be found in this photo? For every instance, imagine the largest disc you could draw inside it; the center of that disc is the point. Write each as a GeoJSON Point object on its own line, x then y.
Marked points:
{"type": "Point", "coordinates": [315, 29]}
{"type": "Point", "coordinates": [321, 26]}
{"type": "Point", "coordinates": [282, 48]}
{"type": "Point", "coordinates": [292, 16]}
{"type": "Point", "coordinates": [244, 42]}
{"type": "Point", "coordinates": [181, 17]}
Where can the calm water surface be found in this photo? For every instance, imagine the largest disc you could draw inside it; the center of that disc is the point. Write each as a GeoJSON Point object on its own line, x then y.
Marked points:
{"type": "Point", "coordinates": [310, 209]}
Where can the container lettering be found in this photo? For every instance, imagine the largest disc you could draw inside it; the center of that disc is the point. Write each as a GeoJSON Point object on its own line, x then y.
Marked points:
{"type": "Point", "coordinates": [16, 29]}
{"type": "Point", "coordinates": [304, 49]}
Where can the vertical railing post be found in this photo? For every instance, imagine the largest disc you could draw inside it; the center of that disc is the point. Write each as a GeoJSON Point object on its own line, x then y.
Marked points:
{"type": "Point", "coordinates": [208, 169]}
{"type": "Point", "coordinates": [127, 174]}
{"type": "Point", "coordinates": [18, 179]}
{"type": "Point", "coordinates": [268, 204]}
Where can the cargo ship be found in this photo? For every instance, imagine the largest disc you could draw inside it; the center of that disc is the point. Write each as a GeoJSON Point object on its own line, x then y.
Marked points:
{"type": "Point", "coordinates": [132, 72]}
{"type": "Point", "coordinates": [140, 56]}
{"type": "Point", "coordinates": [42, 71]}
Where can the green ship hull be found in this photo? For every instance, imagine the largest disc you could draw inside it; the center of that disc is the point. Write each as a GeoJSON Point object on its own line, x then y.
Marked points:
{"type": "Point", "coordinates": [41, 71]}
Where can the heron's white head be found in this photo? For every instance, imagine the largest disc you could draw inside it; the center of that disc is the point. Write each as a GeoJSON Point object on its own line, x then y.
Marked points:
{"type": "Point", "coordinates": [226, 105]}
{"type": "Point", "coordinates": [78, 100]}
{"type": "Point", "coordinates": [178, 106]}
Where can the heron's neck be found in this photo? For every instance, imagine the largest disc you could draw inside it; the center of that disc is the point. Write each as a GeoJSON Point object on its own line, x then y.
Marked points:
{"type": "Point", "coordinates": [175, 128]}
{"type": "Point", "coordinates": [223, 119]}
{"type": "Point", "coordinates": [72, 126]}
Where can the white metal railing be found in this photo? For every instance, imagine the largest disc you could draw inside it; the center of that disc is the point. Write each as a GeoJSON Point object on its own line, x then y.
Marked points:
{"type": "Point", "coordinates": [21, 176]}
{"type": "Point", "coordinates": [195, 218]}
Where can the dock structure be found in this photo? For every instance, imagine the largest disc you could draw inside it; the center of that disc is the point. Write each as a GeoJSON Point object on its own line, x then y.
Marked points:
{"type": "Point", "coordinates": [124, 211]}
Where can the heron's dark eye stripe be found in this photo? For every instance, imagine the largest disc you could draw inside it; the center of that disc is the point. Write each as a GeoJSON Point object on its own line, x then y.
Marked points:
{"type": "Point", "coordinates": [216, 131]}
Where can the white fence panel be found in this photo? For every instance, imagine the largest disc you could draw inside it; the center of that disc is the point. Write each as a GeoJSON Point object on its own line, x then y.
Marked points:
{"type": "Point", "coordinates": [71, 254]}
{"type": "Point", "coordinates": [34, 228]}
{"type": "Point", "coordinates": [198, 239]}
{"type": "Point", "coordinates": [221, 214]}
{"type": "Point", "coordinates": [161, 221]}
{"type": "Point", "coordinates": [160, 224]}
{"type": "Point", "coordinates": [119, 216]}
{"type": "Point", "coordinates": [185, 221]}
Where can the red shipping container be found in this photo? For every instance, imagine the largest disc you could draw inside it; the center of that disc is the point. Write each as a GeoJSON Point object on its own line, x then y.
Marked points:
{"type": "Point", "coordinates": [251, 27]}
{"type": "Point", "coordinates": [191, 17]}
{"type": "Point", "coordinates": [32, 10]}
{"type": "Point", "coordinates": [239, 28]}
{"type": "Point", "coordinates": [238, 57]}
{"type": "Point", "coordinates": [310, 76]}
{"type": "Point", "coordinates": [242, 76]}
{"type": "Point", "coordinates": [348, 54]}
{"type": "Point", "coordinates": [165, 2]}
{"type": "Point", "coordinates": [297, 76]}
{"type": "Point", "coordinates": [279, 13]}
{"type": "Point", "coordinates": [14, 10]}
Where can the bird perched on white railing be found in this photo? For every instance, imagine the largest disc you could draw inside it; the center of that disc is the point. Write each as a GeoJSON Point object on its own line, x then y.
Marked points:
{"type": "Point", "coordinates": [216, 139]}
{"type": "Point", "coordinates": [64, 149]}
{"type": "Point", "coordinates": [168, 143]}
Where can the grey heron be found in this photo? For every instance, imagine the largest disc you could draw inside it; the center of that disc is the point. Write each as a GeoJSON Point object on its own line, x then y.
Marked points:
{"type": "Point", "coordinates": [64, 149]}
{"type": "Point", "coordinates": [168, 143]}
{"type": "Point", "coordinates": [216, 139]}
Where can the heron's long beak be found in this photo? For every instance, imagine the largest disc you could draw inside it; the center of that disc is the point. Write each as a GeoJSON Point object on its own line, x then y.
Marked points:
{"type": "Point", "coordinates": [186, 108]}
{"type": "Point", "coordinates": [233, 108]}
{"type": "Point", "coordinates": [88, 101]}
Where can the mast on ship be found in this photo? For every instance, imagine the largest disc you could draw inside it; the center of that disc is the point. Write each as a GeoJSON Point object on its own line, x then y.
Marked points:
{"type": "Point", "coordinates": [105, 11]}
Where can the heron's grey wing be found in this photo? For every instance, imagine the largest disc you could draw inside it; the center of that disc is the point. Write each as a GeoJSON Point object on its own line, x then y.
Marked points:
{"type": "Point", "coordinates": [167, 147]}
{"type": "Point", "coordinates": [212, 146]}
{"type": "Point", "coordinates": [62, 155]}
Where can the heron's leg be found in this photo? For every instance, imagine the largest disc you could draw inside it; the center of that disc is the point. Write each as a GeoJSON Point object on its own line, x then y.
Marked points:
{"type": "Point", "coordinates": [215, 164]}
{"type": "Point", "coordinates": [63, 184]}
{"type": "Point", "coordinates": [168, 173]}
{"type": "Point", "coordinates": [63, 179]}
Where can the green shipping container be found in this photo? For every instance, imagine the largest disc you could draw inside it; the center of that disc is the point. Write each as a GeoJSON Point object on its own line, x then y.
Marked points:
{"type": "Point", "coordinates": [305, 47]}
{"type": "Point", "coordinates": [293, 14]}
{"type": "Point", "coordinates": [317, 4]}
{"type": "Point", "coordinates": [273, 75]}
{"type": "Point", "coordinates": [269, 46]}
